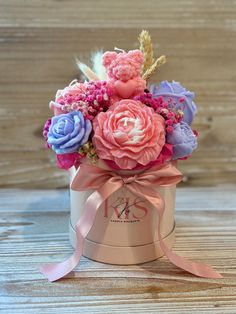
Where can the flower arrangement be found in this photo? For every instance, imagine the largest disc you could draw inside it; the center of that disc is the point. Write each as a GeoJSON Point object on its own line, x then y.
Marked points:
{"type": "Point", "coordinates": [116, 117]}
{"type": "Point", "coordinates": [119, 136]}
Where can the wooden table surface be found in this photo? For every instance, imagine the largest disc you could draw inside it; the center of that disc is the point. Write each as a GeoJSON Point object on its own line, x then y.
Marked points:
{"type": "Point", "coordinates": [34, 230]}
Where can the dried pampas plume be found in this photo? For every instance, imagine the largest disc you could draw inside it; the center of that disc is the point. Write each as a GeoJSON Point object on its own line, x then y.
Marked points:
{"type": "Point", "coordinates": [86, 71]}
{"type": "Point", "coordinates": [150, 65]}
{"type": "Point", "coordinates": [98, 67]}
{"type": "Point", "coordinates": [98, 72]}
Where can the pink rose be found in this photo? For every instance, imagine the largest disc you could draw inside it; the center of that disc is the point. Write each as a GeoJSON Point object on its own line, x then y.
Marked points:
{"type": "Point", "coordinates": [129, 134]}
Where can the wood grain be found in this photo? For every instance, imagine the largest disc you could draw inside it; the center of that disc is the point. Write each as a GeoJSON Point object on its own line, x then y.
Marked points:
{"type": "Point", "coordinates": [34, 230]}
{"type": "Point", "coordinates": [38, 45]}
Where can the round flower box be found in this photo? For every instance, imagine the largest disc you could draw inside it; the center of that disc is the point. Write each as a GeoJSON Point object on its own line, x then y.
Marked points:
{"type": "Point", "coordinates": [125, 227]}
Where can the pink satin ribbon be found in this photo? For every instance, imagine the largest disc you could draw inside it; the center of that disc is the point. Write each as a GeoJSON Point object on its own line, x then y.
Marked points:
{"type": "Point", "coordinates": [105, 183]}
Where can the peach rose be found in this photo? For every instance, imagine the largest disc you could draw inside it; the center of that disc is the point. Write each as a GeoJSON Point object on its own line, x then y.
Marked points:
{"type": "Point", "coordinates": [129, 134]}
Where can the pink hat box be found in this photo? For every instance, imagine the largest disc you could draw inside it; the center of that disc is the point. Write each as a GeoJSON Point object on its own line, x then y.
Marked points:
{"type": "Point", "coordinates": [125, 228]}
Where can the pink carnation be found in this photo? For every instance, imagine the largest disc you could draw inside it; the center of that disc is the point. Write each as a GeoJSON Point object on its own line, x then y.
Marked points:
{"type": "Point", "coordinates": [45, 131]}
{"type": "Point", "coordinates": [64, 95]}
{"type": "Point", "coordinates": [129, 134]}
{"type": "Point", "coordinates": [66, 161]}
{"type": "Point", "coordinates": [90, 98]}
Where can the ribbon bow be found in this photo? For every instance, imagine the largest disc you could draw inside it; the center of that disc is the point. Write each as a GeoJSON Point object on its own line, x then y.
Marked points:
{"type": "Point", "coordinates": [105, 183]}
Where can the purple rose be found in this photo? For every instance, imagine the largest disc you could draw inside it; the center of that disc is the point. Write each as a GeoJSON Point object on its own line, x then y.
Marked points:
{"type": "Point", "coordinates": [177, 97]}
{"type": "Point", "coordinates": [183, 139]}
{"type": "Point", "coordinates": [68, 132]}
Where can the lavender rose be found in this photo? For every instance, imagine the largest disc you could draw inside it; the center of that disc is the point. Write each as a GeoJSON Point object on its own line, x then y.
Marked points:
{"type": "Point", "coordinates": [68, 132]}
{"type": "Point", "coordinates": [183, 139]}
{"type": "Point", "coordinates": [182, 98]}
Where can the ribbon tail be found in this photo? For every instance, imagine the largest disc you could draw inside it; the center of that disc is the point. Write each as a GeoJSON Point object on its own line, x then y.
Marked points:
{"type": "Point", "coordinates": [197, 269]}
{"type": "Point", "coordinates": [56, 271]}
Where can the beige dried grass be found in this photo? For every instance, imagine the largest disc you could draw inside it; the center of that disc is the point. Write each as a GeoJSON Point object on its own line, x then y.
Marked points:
{"type": "Point", "coordinates": [161, 60]}
{"type": "Point", "coordinates": [147, 49]}
{"type": "Point", "coordinates": [150, 64]}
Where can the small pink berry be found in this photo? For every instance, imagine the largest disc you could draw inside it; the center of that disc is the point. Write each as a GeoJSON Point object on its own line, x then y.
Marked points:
{"type": "Point", "coordinates": [69, 100]}
{"type": "Point", "coordinates": [170, 115]}
{"type": "Point", "coordinates": [169, 129]}
{"type": "Point", "coordinates": [99, 98]}
{"type": "Point", "coordinates": [78, 98]}
{"type": "Point", "coordinates": [90, 98]}
{"type": "Point", "coordinates": [98, 84]}
{"type": "Point", "coordinates": [169, 122]}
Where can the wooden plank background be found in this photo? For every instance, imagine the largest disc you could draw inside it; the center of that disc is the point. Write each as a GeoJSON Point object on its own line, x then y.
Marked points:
{"type": "Point", "coordinates": [38, 43]}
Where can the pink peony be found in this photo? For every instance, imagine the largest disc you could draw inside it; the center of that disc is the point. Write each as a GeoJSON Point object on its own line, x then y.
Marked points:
{"type": "Point", "coordinates": [129, 134]}
{"type": "Point", "coordinates": [164, 156]}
